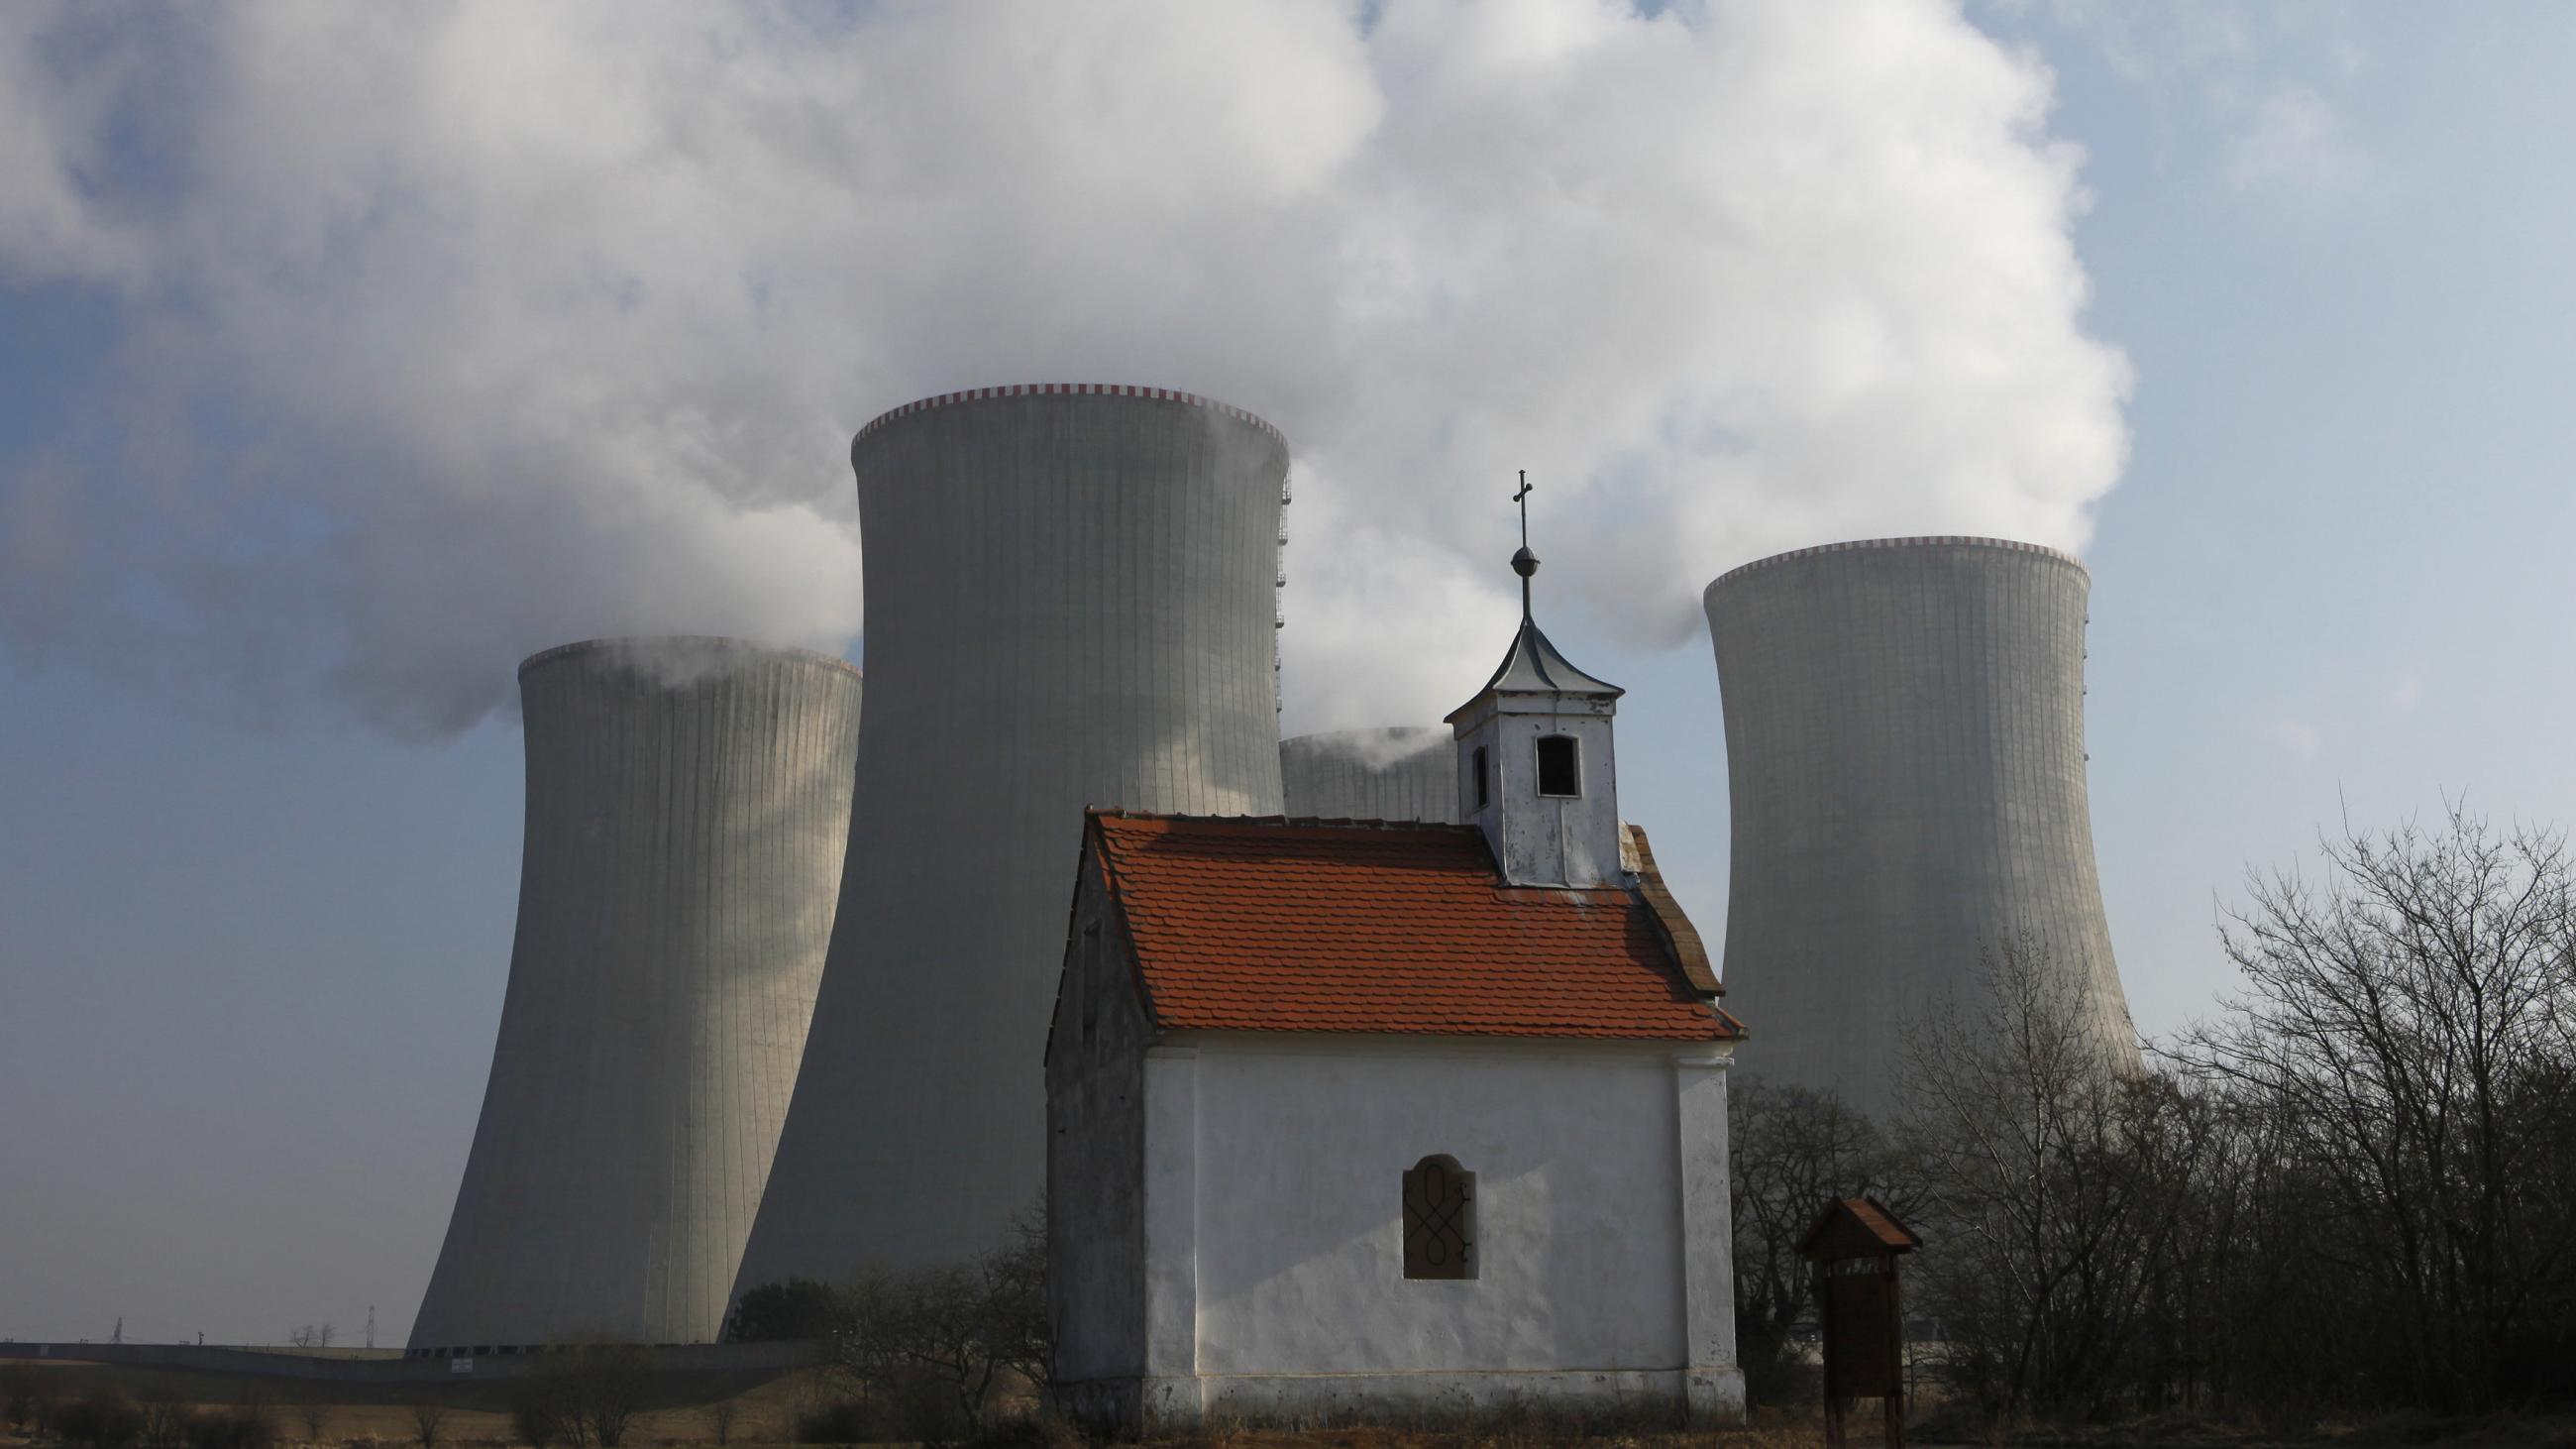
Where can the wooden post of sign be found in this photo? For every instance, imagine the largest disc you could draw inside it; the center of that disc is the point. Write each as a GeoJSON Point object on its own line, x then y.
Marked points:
{"type": "Point", "coordinates": [1854, 1246]}
{"type": "Point", "coordinates": [1893, 1401]}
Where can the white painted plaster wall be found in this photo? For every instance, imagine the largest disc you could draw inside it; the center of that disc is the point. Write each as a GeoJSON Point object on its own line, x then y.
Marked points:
{"type": "Point", "coordinates": [1543, 839]}
{"type": "Point", "coordinates": [1301, 1155]}
{"type": "Point", "coordinates": [1226, 1216]}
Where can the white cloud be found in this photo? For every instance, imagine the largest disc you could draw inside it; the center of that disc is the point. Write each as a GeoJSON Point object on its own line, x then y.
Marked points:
{"type": "Point", "coordinates": [457, 331]}
{"type": "Point", "coordinates": [2406, 693]}
{"type": "Point", "coordinates": [2302, 740]}
{"type": "Point", "coordinates": [53, 126]}
{"type": "Point", "coordinates": [2293, 138]}
{"type": "Point", "coordinates": [2227, 86]}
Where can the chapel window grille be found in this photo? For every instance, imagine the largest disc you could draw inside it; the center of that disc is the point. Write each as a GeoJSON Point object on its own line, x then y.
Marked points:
{"type": "Point", "coordinates": [1560, 766]}
{"type": "Point", "coordinates": [1439, 1220]}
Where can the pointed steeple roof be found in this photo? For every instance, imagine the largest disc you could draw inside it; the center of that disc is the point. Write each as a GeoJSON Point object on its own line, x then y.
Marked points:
{"type": "Point", "coordinates": [1534, 666]}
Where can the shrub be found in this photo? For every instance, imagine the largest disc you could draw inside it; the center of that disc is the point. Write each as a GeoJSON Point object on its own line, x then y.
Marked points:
{"type": "Point", "coordinates": [583, 1393]}
{"type": "Point", "coordinates": [427, 1418]}
{"type": "Point", "coordinates": [1029, 1431]}
{"type": "Point", "coordinates": [100, 1419]}
{"type": "Point", "coordinates": [242, 1426]}
{"type": "Point", "coordinates": [17, 1395]}
{"type": "Point", "coordinates": [539, 1415]}
{"type": "Point", "coordinates": [45, 1396]}
{"type": "Point", "coordinates": [166, 1412]}
{"type": "Point", "coordinates": [902, 1407]}
{"type": "Point", "coordinates": [848, 1421]}
{"type": "Point", "coordinates": [800, 1308]}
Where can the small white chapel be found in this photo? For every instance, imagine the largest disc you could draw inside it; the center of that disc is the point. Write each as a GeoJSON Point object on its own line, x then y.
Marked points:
{"type": "Point", "coordinates": [1350, 1117]}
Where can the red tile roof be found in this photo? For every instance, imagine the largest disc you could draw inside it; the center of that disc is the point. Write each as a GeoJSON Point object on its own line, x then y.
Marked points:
{"type": "Point", "coordinates": [1857, 1227]}
{"type": "Point", "coordinates": [1305, 925]}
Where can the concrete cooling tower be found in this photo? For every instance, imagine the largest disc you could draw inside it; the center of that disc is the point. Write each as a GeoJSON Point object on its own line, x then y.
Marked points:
{"type": "Point", "coordinates": [1069, 603]}
{"type": "Point", "coordinates": [1407, 772]}
{"type": "Point", "coordinates": [688, 804]}
{"type": "Point", "coordinates": [1905, 756]}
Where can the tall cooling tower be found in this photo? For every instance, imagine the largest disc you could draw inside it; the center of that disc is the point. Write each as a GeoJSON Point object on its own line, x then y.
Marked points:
{"type": "Point", "coordinates": [1406, 772]}
{"type": "Point", "coordinates": [1069, 603]}
{"type": "Point", "coordinates": [1905, 755]}
{"type": "Point", "coordinates": [688, 805]}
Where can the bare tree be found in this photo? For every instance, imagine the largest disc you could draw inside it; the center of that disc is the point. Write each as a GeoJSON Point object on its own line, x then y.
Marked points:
{"type": "Point", "coordinates": [966, 1328]}
{"type": "Point", "coordinates": [311, 1335]}
{"type": "Point", "coordinates": [166, 1411]}
{"type": "Point", "coordinates": [720, 1417]}
{"type": "Point", "coordinates": [2049, 1168]}
{"type": "Point", "coordinates": [541, 1412]}
{"type": "Point", "coordinates": [613, 1380]}
{"type": "Point", "coordinates": [2408, 1030]}
{"type": "Point", "coordinates": [428, 1416]}
{"type": "Point", "coordinates": [925, 1322]}
{"type": "Point", "coordinates": [1018, 1334]}
{"type": "Point", "coordinates": [583, 1393]}
{"type": "Point", "coordinates": [316, 1418]}
{"type": "Point", "coordinates": [1790, 1150]}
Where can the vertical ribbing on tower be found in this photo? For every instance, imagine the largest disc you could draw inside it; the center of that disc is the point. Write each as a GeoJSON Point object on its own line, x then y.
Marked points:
{"type": "Point", "coordinates": [688, 804]}
{"type": "Point", "coordinates": [1071, 594]}
{"type": "Point", "coordinates": [1906, 767]}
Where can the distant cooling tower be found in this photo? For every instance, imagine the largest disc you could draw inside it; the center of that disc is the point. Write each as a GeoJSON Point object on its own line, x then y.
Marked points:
{"type": "Point", "coordinates": [1905, 755]}
{"type": "Point", "coordinates": [1069, 603]}
{"type": "Point", "coordinates": [688, 804]}
{"type": "Point", "coordinates": [1407, 772]}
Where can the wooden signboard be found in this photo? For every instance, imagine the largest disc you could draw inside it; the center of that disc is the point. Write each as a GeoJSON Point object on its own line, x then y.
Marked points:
{"type": "Point", "coordinates": [1855, 1246]}
{"type": "Point", "coordinates": [1864, 1344]}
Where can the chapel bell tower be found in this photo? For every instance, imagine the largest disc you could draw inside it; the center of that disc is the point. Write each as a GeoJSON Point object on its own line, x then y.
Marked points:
{"type": "Point", "coordinates": [1535, 768]}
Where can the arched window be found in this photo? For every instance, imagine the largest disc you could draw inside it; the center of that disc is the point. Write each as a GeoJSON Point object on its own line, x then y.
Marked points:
{"type": "Point", "coordinates": [1439, 1220]}
{"type": "Point", "coordinates": [1560, 767]}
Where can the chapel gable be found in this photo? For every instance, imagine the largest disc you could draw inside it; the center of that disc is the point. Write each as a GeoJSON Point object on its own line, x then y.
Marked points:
{"type": "Point", "coordinates": [1338, 1111]}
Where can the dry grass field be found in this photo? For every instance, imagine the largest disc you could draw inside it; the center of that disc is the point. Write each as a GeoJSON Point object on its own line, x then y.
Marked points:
{"type": "Point", "coordinates": [365, 1416]}
{"type": "Point", "coordinates": [763, 1414]}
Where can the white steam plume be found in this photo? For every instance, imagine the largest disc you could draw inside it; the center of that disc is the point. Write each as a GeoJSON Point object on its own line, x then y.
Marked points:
{"type": "Point", "coordinates": [450, 332]}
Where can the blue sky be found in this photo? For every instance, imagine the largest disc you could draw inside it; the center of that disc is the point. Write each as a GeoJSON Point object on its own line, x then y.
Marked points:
{"type": "Point", "coordinates": [280, 505]}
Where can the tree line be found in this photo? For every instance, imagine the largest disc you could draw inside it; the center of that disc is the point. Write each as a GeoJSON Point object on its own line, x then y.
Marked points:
{"type": "Point", "coordinates": [2352, 1188]}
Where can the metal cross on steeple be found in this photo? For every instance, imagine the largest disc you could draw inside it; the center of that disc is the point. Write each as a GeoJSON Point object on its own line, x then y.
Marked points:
{"type": "Point", "coordinates": [1524, 563]}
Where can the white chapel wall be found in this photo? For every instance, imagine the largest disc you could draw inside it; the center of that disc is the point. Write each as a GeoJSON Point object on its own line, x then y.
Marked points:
{"type": "Point", "coordinates": [1301, 1148]}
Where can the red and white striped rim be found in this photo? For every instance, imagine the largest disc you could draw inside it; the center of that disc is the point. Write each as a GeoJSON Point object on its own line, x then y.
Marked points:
{"type": "Point", "coordinates": [2010, 545]}
{"type": "Point", "coordinates": [748, 648]}
{"type": "Point", "coordinates": [1084, 389]}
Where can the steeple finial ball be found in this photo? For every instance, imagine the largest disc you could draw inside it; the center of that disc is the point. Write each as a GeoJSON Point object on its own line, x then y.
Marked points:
{"type": "Point", "coordinates": [1524, 562]}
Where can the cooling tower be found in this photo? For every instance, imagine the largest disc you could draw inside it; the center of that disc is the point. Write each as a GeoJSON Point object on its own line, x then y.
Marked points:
{"type": "Point", "coordinates": [1905, 757]}
{"type": "Point", "coordinates": [688, 804]}
{"type": "Point", "coordinates": [1069, 603]}
{"type": "Point", "coordinates": [1406, 772]}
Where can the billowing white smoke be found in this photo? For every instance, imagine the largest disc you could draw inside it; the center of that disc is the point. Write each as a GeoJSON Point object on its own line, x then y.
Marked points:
{"type": "Point", "coordinates": [450, 332]}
